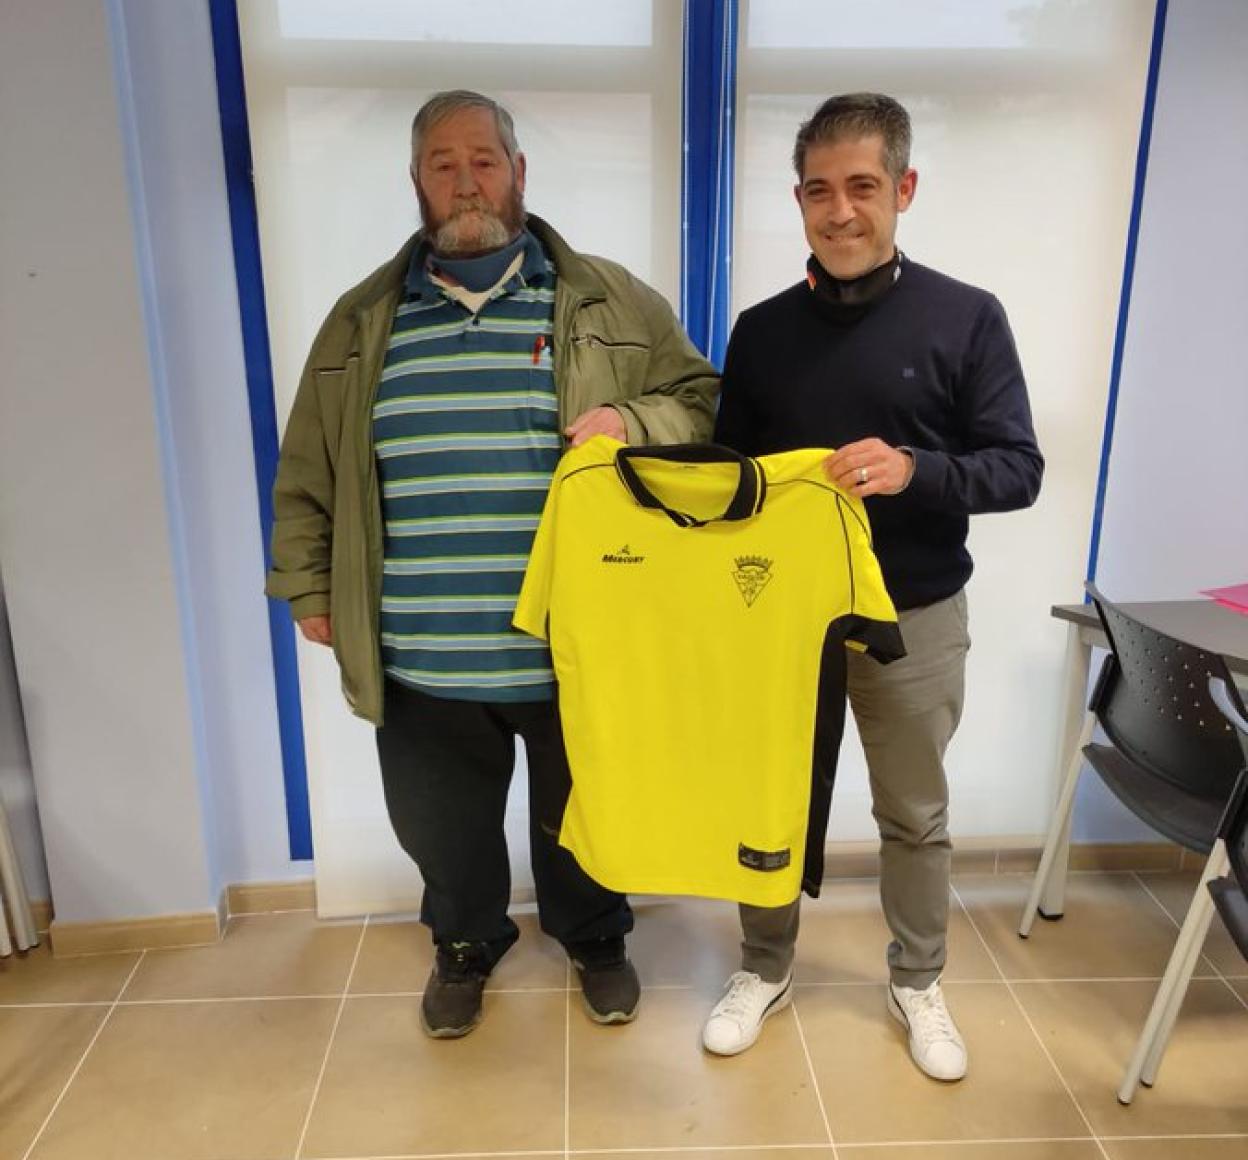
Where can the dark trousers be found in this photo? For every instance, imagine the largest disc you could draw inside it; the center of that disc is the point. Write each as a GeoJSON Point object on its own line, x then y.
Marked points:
{"type": "Point", "coordinates": [446, 766]}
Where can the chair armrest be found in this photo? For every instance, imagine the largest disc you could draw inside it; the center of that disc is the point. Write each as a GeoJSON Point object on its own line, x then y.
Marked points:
{"type": "Point", "coordinates": [1222, 698]}
{"type": "Point", "coordinates": [1225, 702]}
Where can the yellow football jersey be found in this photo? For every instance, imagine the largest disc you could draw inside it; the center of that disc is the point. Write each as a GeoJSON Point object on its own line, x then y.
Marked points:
{"type": "Point", "coordinates": [686, 593]}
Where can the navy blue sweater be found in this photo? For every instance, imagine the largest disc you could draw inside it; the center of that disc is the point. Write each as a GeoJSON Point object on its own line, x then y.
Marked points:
{"type": "Point", "coordinates": [930, 365]}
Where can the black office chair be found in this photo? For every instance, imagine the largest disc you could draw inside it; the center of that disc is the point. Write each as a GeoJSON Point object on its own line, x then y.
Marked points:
{"type": "Point", "coordinates": [1172, 761]}
{"type": "Point", "coordinates": [1226, 876]}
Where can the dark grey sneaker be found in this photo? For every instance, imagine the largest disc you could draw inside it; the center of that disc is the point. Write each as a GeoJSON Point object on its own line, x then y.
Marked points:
{"type": "Point", "coordinates": [451, 1006]}
{"type": "Point", "coordinates": [610, 988]}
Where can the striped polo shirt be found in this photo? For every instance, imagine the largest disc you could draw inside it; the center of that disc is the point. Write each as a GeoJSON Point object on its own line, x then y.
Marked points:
{"type": "Point", "coordinates": [466, 435]}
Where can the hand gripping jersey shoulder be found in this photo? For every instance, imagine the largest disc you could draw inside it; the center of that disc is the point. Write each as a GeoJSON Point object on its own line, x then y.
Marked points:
{"type": "Point", "coordinates": [687, 593]}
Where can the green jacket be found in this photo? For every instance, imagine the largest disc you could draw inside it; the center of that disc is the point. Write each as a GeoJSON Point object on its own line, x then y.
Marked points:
{"type": "Point", "coordinates": [616, 342]}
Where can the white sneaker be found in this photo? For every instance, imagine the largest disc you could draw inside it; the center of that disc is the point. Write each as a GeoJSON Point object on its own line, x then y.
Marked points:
{"type": "Point", "coordinates": [935, 1044]}
{"type": "Point", "coordinates": [738, 1017]}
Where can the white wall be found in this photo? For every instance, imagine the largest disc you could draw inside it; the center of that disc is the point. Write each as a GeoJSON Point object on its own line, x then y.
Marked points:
{"type": "Point", "coordinates": [169, 99]}
{"type": "Point", "coordinates": [1176, 508]}
{"type": "Point", "coordinates": [1176, 505]}
{"type": "Point", "coordinates": [83, 522]}
{"type": "Point", "coordinates": [131, 539]}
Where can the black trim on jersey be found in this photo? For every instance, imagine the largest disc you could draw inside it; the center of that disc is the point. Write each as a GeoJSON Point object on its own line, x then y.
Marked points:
{"type": "Point", "coordinates": [882, 638]}
{"type": "Point", "coordinates": [866, 527]}
{"type": "Point", "coordinates": [748, 500]}
{"type": "Point", "coordinates": [849, 555]}
{"type": "Point", "coordinates": [840, 495]}
{"type": "Point", "coordinates": [581, 470]}
{"type": "Point", "coordinates": [884, 643]}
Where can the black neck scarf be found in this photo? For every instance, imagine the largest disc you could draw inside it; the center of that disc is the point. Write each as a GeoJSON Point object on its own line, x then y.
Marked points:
{"type": "Point", "coordinates": [845, 302]}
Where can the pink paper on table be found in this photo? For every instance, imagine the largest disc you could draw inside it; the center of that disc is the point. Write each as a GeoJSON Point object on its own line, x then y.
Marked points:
{"type": "Point", "coordinates": [1234, 597]}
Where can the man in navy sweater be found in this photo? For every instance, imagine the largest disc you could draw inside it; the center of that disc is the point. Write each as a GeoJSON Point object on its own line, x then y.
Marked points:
{"type": "Point", "coordinates": [914, 379]}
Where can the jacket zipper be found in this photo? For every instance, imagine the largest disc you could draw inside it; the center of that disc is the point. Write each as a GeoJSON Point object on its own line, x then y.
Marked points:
{"type": "Point", "coordinates": [594, 340]}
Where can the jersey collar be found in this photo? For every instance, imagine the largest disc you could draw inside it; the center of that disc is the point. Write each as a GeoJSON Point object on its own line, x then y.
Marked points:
{"type": "Point", "coordinates": [747, 501]}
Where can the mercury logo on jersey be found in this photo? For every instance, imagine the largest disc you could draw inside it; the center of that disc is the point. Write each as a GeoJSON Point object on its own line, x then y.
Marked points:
{"type": "Point", "coordinates": [752, 574]}
{"type": "Point", "coordinates": [623, 556]}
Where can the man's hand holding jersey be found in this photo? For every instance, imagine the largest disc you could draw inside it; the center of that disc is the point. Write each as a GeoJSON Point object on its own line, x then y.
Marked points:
{"type": "Point", "coordinates": [870, 467]}
{"type": "Point", "coordinates": [599, 421]}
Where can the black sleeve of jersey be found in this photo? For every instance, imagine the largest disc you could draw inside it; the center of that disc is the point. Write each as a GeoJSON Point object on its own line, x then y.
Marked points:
{"type": "Point", "coordinates": [829, 729]}
{"type": "Point", "coordinates": [881, 638]}
{"type": "Point", "coordinates": [735, 425]}
{"type": "Point", "coordinates": [883, 641]}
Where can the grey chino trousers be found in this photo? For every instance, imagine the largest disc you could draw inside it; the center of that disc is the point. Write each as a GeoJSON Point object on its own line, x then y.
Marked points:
{"type": "Point", "coordinates": [906, 714]}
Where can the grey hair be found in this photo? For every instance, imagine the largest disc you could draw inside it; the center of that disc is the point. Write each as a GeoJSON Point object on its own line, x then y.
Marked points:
{"type": "Point", "coordinates": [852, 116]}
{"type": "Point", "coordinates": [446, 104]}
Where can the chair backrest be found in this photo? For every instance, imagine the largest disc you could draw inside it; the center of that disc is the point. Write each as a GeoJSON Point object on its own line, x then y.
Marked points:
{"type": "Point", "coordinates": [1234, 828]}
{"type": "Point", "coordinates": [1234, 831]}
{"type": "Point", "coordinates": [1153, 702]}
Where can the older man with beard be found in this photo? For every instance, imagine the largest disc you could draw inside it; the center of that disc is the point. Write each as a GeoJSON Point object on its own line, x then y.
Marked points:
{"type": "Point", "coordinates": [434, 407]}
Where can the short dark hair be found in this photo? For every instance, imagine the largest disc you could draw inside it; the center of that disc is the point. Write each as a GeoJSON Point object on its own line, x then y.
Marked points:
{"type": "Point", "coordinates": [852, 116]}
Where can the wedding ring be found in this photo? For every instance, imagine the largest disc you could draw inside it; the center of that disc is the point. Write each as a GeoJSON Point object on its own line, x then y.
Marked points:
{"type": "Point", "coordinates": [862, 475]}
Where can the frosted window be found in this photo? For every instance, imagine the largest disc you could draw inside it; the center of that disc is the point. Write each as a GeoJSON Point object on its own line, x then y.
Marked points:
{"type": "Point", "coordinates": [1026, 121]}
{"type": "Point", "coordinates": [331, 91]}
{"type": "Point", "coordinates": [537, 22]}
{"type": "Point", "coordinates": [920, 24]}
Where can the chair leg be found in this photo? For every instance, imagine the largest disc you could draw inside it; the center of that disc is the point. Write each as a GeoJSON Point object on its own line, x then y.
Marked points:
{"type": "Point", "coordinates": [1217, 865]}
{"type": "Point", "coordinates": [1048, 887]}
{"type": "Point", "coordinates": [1052, 904]}
{"type": "Point", "coordinates": [1151, 1045]}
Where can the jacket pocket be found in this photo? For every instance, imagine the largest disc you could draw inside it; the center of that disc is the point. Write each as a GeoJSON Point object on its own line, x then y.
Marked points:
{"type": "Point", "coordinates": [335, 387]}
{"type": "Point", "coordinates": [607, 370]}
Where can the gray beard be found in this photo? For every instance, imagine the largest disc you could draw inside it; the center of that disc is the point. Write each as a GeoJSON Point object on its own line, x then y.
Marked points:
{"type": "Point", "coordinates": [489, 233]}
{"type": "Point", "coordinates": [449, 238]}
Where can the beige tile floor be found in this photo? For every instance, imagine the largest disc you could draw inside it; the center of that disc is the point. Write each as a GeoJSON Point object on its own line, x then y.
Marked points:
{"type": "Point", "coordinates": [295, 1038]}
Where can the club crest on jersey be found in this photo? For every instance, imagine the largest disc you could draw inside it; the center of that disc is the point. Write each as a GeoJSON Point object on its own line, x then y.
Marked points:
{"type": "Point", "coordinates": [752, 574]}
{"type": "Point", "coordinates": [624, 555]}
